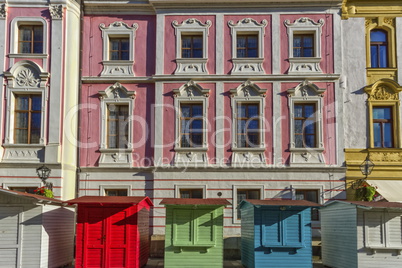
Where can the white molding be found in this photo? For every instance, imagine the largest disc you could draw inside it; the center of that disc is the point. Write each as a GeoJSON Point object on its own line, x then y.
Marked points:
{"type": "Point", "coordinates": [8, 185]}
{"type": "Point", "coordinates": [306, 92]}
{"type": "Point", "coordinates": [113, 157]}
{"type": "Point", "coordinates": [113, 68]}
{"type": "Point", "coordinates": [248, 92]}
{"type": "Point", "coordinates": [104, 187]}
{"type": "Point", "coordinates": [234, 196]}
{"type": "Point", "coordinates": [319, 187]}
{"type": "Point", "coordinates": [305, 65]}
{"type": "Point", "coordinates": [177, 188]}
{"type": "Point", "coordinates": [15, 23]}
{"type": "Point", "coordinates": [192, 65]}
{"type": "Point", "coordinates": [248, 65]}
{"type": "Point", "coordinates": [191, 92]}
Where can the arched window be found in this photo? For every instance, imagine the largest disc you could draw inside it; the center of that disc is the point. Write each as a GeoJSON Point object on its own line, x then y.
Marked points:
{"type": "Point", "coordinates": [378, 49]}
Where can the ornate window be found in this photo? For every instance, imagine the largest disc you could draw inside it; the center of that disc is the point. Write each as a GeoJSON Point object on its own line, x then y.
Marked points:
{"type": "Point", "coordinates": [191, 107]}
{"type": "Point", "coordinates": [378, 48]}
{"type": "Point", "coordinates": [304, 45]}
{"type": "Point", "coordinates": [118, 49]}
{"type": "Point", "coordinates": [191, 46]}
{"type": "Point", "coordinates": [29, 36]}
{"type": "Point", "coordinates": [248, 46]}
{"type": "Point", "coordinates": [26, 112]}
{"type": "Point", "coordinates": [248, 143]}
{"type": "Point", "coordinates": [30, 39]}
{"type": "Point", "coordinates": [241, 192]}
{"type": "Point", "coordinates": [306, 136]}
{"type": "Point", "coordinates": [383, 105]}
{"type": "Point", "coordinates": [117, 104]}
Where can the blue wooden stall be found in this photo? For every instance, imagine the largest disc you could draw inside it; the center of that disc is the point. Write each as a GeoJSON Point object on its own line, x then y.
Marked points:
{"type": "Point", "coordinates": [276, 233]}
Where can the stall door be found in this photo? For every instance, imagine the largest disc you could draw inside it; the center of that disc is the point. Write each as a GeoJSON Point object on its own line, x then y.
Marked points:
{"type": "Point", "coordinates": [9, 236]}
{"type": "Point", "coordinates": [106, 235]}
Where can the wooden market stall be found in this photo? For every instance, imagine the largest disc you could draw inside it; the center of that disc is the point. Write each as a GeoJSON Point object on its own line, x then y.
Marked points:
{"type": "Point", "coordinates": [112, 231]}
{"type": "Point", "coordinates": [276, 233]}
{"type": "Point", "coordinates": [361, 234]}
{"type": "Point", "coordinates": [35, 231]}
{"type": "Point", "coordinates": [194, 232]}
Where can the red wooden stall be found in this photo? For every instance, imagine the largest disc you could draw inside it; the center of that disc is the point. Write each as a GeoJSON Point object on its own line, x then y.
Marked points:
{"type": "Point", "coordinates": [112, 231]}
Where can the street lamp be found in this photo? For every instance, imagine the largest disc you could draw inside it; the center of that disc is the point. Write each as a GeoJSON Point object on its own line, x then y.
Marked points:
{"type": "Point", "coordinates": [43, 174]}
{"type": "Point", "coordinates": [366, 167]}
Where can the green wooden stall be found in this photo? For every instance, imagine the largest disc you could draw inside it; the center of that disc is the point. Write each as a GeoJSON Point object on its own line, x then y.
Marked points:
{"type": "Point", "coordinates": [194, 232]}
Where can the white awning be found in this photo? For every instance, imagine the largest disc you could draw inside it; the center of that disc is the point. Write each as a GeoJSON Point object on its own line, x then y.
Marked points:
{"type": "Point", "coordinates": [389, 189]}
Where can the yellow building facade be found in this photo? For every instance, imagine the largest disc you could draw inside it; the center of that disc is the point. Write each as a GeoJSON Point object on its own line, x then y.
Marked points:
{"type": "Point", "coordinates": [382, 113]}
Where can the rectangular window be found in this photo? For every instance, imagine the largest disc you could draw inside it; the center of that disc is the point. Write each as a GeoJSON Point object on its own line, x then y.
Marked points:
{"type": "Point", "coordinates": [191, 125]}
{"type": "Point", "coordinates": [27, 126]}
{"type": "Point", "coordinates": [191, 193]}
{"type": "Point", "coordinates": [248, 126]}
{"type": "Point", "coordinates": [116, 192]}
{"type": "Point", "coordinates": [310, 195]}
{"type": "Point", "coordinates": [378, 48]}
{"type": "Point", "coordinates": [382, 126]}
{"type": "Point", "coordinates": [303, 45]}
{"type": "Point", "coordinates": [246, 194]}
{"type": "Point", "coordinates": [117, 126]}
{"type": "Point", "coordinates": [247, 46]}
{"type": "Point", "coordinates": [191, 46]}
{"type": "Point", "coordinates": [30, 39]}
{"type": "Point", "coordinates": [119, 49]}
{"type": "Point", "coordinates": [305, 125]}
{"type": "Point", "coordinates": [29, 190]}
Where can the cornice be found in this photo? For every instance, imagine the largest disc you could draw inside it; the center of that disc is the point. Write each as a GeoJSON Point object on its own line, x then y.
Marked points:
{"type": "Point", "coordinates": [371, 8]}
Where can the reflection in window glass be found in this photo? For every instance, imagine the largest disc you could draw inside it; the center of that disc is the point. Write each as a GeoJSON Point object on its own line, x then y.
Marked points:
{"type": "Point", "coordinates": [382, 126]}
{"type": "Point", "coordinates": [248, 125]}
{"type": "Point", "coordinates": [28, 119]}
{"type": "Point", "coordinates": [305, 125]}
{"type": "Point", "coordinates": [247, 46]}
{"type": "Point", "coordinates": [191, 125]}
{"type": "Point", "coordinates": [303, 45]}
{"type": "Point", "coordinates": [191, 46]}
{"type": "Point", "coordinates": [378, 49]}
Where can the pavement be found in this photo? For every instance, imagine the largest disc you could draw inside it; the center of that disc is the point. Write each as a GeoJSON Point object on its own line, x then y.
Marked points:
{"type": "Point", "coordinates": [158, 263]}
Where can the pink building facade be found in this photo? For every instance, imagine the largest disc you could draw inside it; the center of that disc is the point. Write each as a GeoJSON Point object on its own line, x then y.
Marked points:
{"type": "Point", "coordinates": [39, 59]}
{"type": "Point", "coordinates": [194, 99]}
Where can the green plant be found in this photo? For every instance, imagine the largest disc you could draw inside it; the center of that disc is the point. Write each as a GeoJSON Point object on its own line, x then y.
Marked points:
{"type": "Point", "coordinates": [43, 191]}
{"type": "Point", "coordinates": [365, 193]}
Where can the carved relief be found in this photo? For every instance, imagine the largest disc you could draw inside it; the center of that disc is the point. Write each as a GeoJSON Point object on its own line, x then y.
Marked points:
{"type": "Point", "coordinates": [118, 24]}
{"type": "Point", "coordinates": [3, 12]}
{"type": "Point", "coordinates": [27, 77]}
{"type": "Point", "coordinates": [386, 157]}
{"type": "Point", "coordinates": [56, 11]}
{"type": "Point", "coordinates": [389, 21]}
{"type": "Point", "coordinates": [304, 21]}
{"type": "Point", "coordinates": [192, 23]}
{"type": "Point", "coordinates": [383, 93]}
{"type": "Point", "coordinates": [369, 22]}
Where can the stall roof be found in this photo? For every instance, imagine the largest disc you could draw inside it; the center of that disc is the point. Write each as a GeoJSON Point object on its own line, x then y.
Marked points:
{"type": "Point", "coordinates": [35, 197]}
{"type": "Point", "coordinates": [195, 201]}
{"type": "Point", "coordinates": [281, 202]}
{"type": "Point", "coordinates": [389, 189]}
{"type": "Point", "coordinates": [371, 204]}
{"type": "Point", "coordinates": [109, 200]}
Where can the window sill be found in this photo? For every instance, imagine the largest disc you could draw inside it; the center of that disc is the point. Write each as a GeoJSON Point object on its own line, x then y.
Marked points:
{"type": "Point", "coordinates": [304, 65]}
{"type": "Point", "coordinates": [374, 249]}
{"type": "Point", "coordinates": [206, 247]}
{"type": "Point", "coordinates": [195, 157]}
{"type": "Point", "coordinates": [34, 153]}
{"type": "Point", "coordinates": [191, 66]}
{"type": "Point", "coordinates": [248, 157]}
{"type": "Point", "coordinates": [119, 68]}
{"type": "Point", "coordinates": [28, 55]}
{"type": "Point", "coordinates": [291, 247]}
{"type": "Point", "coordinates": [115, 157]}
{"type": "Point", "coordinates": [247, 66]}
{"type": "Point", "coordinates": [306, 157]}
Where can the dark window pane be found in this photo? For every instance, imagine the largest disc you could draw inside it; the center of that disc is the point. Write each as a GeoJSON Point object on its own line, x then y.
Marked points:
{"type": "Point", "coordinates": [377, 135]}
{"type": "Point", "coordinates": [299, 141]}
{"type": "Point", "coordinates": [378, 36]}
{"type": "Point", "coordinates": [252, 125]}
{"type": "Point", "coordinates": [383, 57]}
{"type": "Point", "coordinates": [197, 125]}
{"type": "Point", "coordinates": [374, 57]}
{"type": "Point", "coordinates": [310, 141]}
{"type": "Point", "coordinates": [387, 135]}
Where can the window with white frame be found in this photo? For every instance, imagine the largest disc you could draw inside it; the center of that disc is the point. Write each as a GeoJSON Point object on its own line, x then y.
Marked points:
{"type": "Point", "coordinates": [304, 35]}
{"type": "Point", "coordinates": [191, 106]}
{"type": "Point", "coordinates": [306, 135]}
{"type": "Point", "coordinates": [22, 187]}
{"type": "Point", "coordinates": [191, 46]}
{"type": "Point", "coordinates": [115, 190]}
{"type": "Point", "coordinates": [312, 193]}
{"type": "Point", "coordinates": [241, 192]}
{"type": "Point", "coordinates": [247, 46]}
{"type": "Point", "coordinates": [26, 113]}
{"type": "Point", "coordinates": [118, 48]}
{"type": "Point", "coordinates": [117, 104]}
{"type": "Point", "coordinates": [29, 36]}
{"type": "Point", "coordinates": [380, 228]}
{"type": "Point", "coordinates": [248, 106]}
{"type": "Point", "coordinates": [190, 191]}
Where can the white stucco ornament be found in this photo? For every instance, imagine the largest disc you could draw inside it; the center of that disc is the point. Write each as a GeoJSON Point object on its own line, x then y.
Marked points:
{"type": "Point", "coordinates": [27, 78]}
{"type": "Point", "coordinates": [3, 12]}
{"type": "Point", "coordinates": [56, 11]}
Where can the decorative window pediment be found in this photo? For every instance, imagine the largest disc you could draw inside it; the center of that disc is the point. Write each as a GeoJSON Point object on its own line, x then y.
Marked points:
{"type": "Point", "coordinates": [306, 135]}
{"type": "Point", "coordinates": [117, 105]}
{"type": "Point", "coordinates": [192, 36]}
{"type": "Point", "coordinates": [304, 51]}
{"type": "Point", "coordinates": [191, 106]}
{"type": "Point", "coordinates": [248, 46]}
{"type": "Point", "coordinates": [248, 106]}
{"type": "Point", "coordinates": [118, 38]}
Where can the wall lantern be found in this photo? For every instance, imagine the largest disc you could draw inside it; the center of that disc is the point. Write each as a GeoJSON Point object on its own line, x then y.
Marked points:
{"type": "Point", "coordinates": [43, 174]}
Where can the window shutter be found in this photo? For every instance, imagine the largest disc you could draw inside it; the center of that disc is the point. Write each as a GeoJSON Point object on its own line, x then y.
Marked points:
{"type": "Point", "coordinates": [394, 227]}
{"type": "Point", "coordinates": [271, 233]}
{"type": "Point", "coordinates": [292, 228]}
{"type": "Point", "coordinates": [204, 227]}
{"type": "Point", "coordinates": [182, 227]}
{"type": "Point", "coordinates": [374, 233]}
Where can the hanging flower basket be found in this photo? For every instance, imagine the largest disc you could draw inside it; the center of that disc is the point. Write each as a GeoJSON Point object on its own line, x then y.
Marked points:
{"type": "Point", "coordinates": [365, 193]}
{"type": "Point", "coordinates": [43, 191]}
